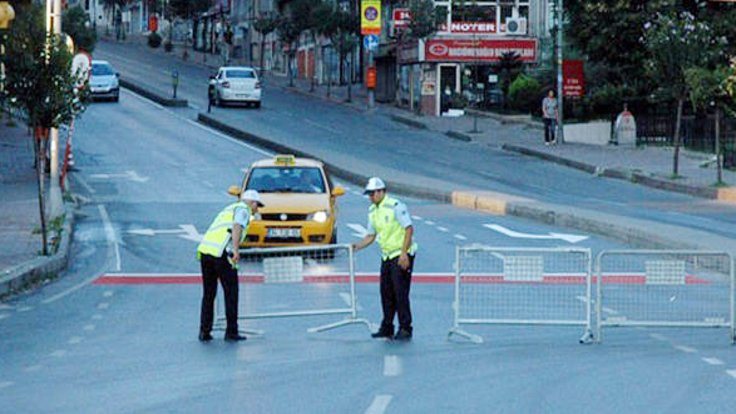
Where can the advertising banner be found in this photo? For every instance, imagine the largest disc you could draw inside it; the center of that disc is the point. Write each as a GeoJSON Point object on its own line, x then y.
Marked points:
{"type": "Point", "coordinates": [480, 50]}
{"type": "Point", "coordinates": [573, 78]}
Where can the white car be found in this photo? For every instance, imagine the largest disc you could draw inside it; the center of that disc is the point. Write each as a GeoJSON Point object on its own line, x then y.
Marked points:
{"type": "Point", "coordinates": [235, 84]}
{"type": "Point", "coordinates": [104, 81]}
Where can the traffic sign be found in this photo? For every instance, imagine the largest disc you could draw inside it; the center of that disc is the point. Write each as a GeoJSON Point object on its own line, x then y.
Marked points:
{"type": "Point", "coordinates": [370, 42]}
{"type": "Point", "coordinates": [81, 65]}
{"type": "Point", "coordinates": [370, 17]}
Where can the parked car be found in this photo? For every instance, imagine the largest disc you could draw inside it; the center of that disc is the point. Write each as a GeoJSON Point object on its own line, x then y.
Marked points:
{"type": "Point", "coordinates": [235, 84]}
{"type": "Point", "coordinates": [300, 202]}
{"type": "Point", "coordinates": [104, 81]}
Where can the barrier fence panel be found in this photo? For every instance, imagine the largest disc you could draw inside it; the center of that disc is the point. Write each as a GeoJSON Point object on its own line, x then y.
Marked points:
{"type": "Point", "coordinates": [297, 281]}
{"type": "Point", "coordinates": [664, 288]}
{"type": "Point", "coordinates": [498, 285]}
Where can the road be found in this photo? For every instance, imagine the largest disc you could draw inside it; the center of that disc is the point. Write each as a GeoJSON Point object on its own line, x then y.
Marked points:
{"type": "Point", "coordinates": [82, 345]}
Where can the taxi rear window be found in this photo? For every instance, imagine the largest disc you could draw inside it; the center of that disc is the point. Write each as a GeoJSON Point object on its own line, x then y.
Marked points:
{"type": "Point", "coordinates": [286, 180]}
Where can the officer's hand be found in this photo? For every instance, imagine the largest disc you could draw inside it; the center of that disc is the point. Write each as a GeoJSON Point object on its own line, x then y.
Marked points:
{"type": "Point", "coordinates": [236, 256]}
{"type": "Point", "coordinates": [404, 261]}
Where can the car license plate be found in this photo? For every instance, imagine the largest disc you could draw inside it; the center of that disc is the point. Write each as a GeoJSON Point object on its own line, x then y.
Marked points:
{"type": "Point", "coordinates": [284, 233]}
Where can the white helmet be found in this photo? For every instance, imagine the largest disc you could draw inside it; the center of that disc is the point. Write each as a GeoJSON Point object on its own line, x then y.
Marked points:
{"type": "Point", "coordinates": [374, 183]}
{"type": "Point", "coordinates": [252, 195]}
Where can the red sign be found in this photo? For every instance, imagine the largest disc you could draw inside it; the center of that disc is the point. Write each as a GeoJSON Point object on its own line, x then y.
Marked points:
{"type": "Point", "coordinates": [152, 23]}
{"type": "Point", "coordinates": [573, 78]}
{"type": "Point", "coordinates": [401, 17]}
{"type": "Point", "coordinates": [470, 27]}
{"type": "Point", "coordinates": [483, 50]}
{"type": "Point", "coordinates": [370, 77]}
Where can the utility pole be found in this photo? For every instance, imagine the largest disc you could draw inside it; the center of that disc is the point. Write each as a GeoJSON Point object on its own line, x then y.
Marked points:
{"type": "Point", "coordinates": [53, 27]}
{"type": "Point", "coordinates": [560, 122]}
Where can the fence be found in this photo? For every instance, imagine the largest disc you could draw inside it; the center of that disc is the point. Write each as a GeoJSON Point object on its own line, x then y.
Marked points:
{"type": "Point", "coordinates": [664, 288]}
{"type": "Point", "coordinates": [290, 281]}
{"type": "Point", "coordinates": [550, 286]}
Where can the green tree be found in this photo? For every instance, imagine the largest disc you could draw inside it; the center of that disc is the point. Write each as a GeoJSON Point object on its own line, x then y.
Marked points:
{"type": "Point", "coordinates": [116, 8]}
{"type": "Point", "coordinates": [508, 68]}
{"type": "Point", "coordinates": [341, 28]}
{"type": "Point", "coordinates": [76, 24]}
{"type": "Point", "coordinates": [39, 82]}
{"type": "Point", "coordinates": [289, 34]}
{"type": "Point", "coordinates": [265, 24]}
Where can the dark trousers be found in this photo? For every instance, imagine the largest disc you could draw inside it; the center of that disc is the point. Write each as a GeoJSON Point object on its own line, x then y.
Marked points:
{"type": "Point", "coordinates": [395, 285]}
{"type": "Point", "coordinates": [549, 129]}
{"type": "Point", "coordinates": [214, 268]}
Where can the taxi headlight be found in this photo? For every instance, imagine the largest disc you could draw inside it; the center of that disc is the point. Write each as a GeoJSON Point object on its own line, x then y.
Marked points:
{"type": "Point", "coordinates": [257, 216]}
{"type": "Point", "coordinates": [319, 216]}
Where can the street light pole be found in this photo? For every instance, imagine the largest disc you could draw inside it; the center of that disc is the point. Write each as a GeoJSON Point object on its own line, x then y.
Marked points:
{"type": "Point", "coordinates": [560, 121]}
{"type": "Point", "coordinates": [53, 26]}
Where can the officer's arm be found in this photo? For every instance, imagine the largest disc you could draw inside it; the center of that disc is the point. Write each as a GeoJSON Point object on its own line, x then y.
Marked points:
{"type": "Point", "coordinates": [368, 239]}
{"type": "Point", "coordinates": [407, 240]}
{"type": "Point", "coordinates": [237, 231]}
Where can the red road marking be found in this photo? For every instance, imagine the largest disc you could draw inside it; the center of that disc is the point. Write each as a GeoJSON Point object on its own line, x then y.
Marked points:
{"type": "Point", "coordinates": [426, 278]}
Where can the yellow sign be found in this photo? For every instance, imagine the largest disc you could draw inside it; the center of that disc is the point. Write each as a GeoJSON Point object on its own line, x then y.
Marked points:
{"type": "Point", "coordinates": [370, 17]}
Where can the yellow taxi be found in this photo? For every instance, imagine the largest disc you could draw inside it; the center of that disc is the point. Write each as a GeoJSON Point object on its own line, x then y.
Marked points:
{"type": "Point", "coordinates": [300, 202]}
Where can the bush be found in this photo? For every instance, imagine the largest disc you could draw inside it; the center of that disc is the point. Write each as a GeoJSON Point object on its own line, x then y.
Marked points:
{"type": "Point", "coordinates": [154, 40]}
{"type": "Point", "coordinates": [168, 46]}
{"type": "Point", "coordinates": [525, 94]}
{"type": "Point", "coordinates": [458, 101]}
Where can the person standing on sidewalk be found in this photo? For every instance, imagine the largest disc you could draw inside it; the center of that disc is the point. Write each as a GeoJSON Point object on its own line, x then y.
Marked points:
{"type": "Point", "coordinates": [219, 254]}
{"type": "Point", "coordinates": [549, 114]}
{"type": "Point", "coordinates": [389, 220]}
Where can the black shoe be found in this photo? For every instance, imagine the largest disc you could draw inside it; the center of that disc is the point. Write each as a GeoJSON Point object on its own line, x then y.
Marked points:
{"type": "Point", "coordinates": [235, 337]}
{"type": "Point", "coordinates": [205, 337]}
{"type": "Point", "coordinates": [382, 334]}
{"type": "Point", "coordinates": [403, 335]}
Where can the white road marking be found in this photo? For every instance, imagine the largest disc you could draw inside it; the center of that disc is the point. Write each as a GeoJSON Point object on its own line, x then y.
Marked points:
{"type": "Point", "coordinates": [90, 327]}
{"type": "Point", "coordinates": [33, 368]}
{"type": "Point", "coordinates": [604, 309]}
{"type": "Point", "coordinates": [431, 223]}
{"type": "Point", "coordinates": [684, 348]}
{"type": "Point", "coordinates": [379, 404]}
{"type": "Point", "coordinates": [731, 372]}
{"type": "Point", "coordinates": [658, 337]}
{"type": "Point", "coordinates": [25, 309]}
{"type": "Point", "coordinates": [97, 316]}
{"type": "Point", "coordinates": [358, 230]}
{"type": "Point", "coordinates": [346, 298]}
{"type": "Point", "coordinates": [110, 234]}
{"type": "Point", "coordinates": [189, 232]}
{"type": "Point", "coordinates": [318, 125]}
{"type": "Point", "coordinates": [82, 181]}
{"type": "Point", "coordinates": [6, 384]}
{"type": "Point", "coordinates": [416, 218]}
{"type": "Point", "coordinates": [103, 305]}
{"type": "Point", "coordinates": [221, 135]}
{"type": "Point", "coordinates": [70, 290]}
{"type": "Point", "coordinates": [4, 306]}
{"type": "Point", "coordinates": [3, 316]}
{"type": "Point", "coordinates": [108, 293]}
{"type": "Point", "coordinates": [570, 238]}
{"type": "Point", "coordinates": [130, 175]}
{"type": "Point", "coordinates": [442, 229]}
{"type": "Point", "coordinates": [712, 361]}
{"type": "Point", "coordinates": [74, 340]}
{"type": "Point", "coordinates": [58, 353]}
{"type": "Point", "coordinates": [460, 237]}
{"type": "Point", "coordinates": [193, 106]}
{"type": "Point", "coordinates": [144, 99]}
{"type": "Point", "coordinates": [391, 366]}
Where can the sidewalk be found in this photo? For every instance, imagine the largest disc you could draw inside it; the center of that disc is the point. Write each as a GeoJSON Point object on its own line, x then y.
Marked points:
{"type": "Point", "coordinates": [20, 260]}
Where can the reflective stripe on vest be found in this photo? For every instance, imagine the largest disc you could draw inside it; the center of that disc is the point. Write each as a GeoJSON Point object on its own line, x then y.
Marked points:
{"type": "Point", "coordinates": [218, 235]}
{"type": "Point", "coordinates": [388, 229]}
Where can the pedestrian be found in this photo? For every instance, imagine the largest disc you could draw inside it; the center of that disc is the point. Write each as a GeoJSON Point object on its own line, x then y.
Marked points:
{"type": "Point", "coordinates": [219, 253]}
{"type": "Point", "coordinates": [390, 223]}
{"type": "Point", "coordinates": [549, 114]}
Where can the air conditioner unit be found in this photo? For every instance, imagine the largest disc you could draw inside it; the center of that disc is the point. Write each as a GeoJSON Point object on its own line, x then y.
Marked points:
{"type": "Point", "coordinates": [516, 26]}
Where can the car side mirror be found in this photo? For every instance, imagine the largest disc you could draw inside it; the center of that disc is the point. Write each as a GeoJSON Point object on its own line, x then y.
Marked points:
{"type": "Point", "coordinates": [234, 190]}
{"type": "Point", "coordinates": [338, 191]}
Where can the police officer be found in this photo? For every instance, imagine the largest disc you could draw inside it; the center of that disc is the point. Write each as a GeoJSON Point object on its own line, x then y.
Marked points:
{"type": "Point", "coordinates": [219, 253]}
{"type": "Point", "coordinates": [389, 219]}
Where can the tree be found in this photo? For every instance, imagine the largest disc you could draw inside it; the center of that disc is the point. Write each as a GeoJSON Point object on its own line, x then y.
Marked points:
{"type": "Point", "coordinates": [189, 9]}
{"type": "Point", "coordinates": [75, 23]}
{"type": "Point", "coordinates": [341, 28]}
{"type": "Point", "coordinates": [265, 24]}
{"type": "Point", "coordinates": [676, 41]}
{"type": "Point", "coordinates": [39, 82]}
{"type": "Point", "coordinates": [508, 68]}
{"type": "Point", "coordinates": [115, 7]}
{"type": "Point", "coordinates": [289, 34]}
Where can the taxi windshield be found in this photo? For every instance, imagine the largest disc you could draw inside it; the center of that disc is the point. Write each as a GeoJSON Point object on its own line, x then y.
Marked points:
{"type": "Point", "coordinates": [286, 180]}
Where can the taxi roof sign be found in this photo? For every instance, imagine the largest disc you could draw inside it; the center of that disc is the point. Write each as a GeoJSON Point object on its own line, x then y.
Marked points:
{"type": "Point", "coordinates": [285, 159]}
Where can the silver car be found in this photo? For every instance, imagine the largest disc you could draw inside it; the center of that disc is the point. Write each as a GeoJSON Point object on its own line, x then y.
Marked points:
{"type": "Point", "coordinates": [235, 84]}
{"type": "Point", "coordinates": [104, 81]}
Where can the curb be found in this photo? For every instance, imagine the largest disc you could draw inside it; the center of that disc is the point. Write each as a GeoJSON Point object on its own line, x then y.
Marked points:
{"type": "Point", "coordinates": [638, 232]}
{"type": "Point", "coordinates": [342, 173]}
{"type": "Point", "coordinates": [152, 95]}
{"type": "Point", "coordinates": [507, 119]}
{"type": "Point", "coordinates": [21, 276]}
{"type": "Point", "coordinates": [408, 121]}
{"type": "Point", "coordinates": [459, 136]}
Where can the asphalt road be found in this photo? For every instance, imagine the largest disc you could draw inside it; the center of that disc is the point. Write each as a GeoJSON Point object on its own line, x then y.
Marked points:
{"type": "Point", "coordinates": [80, 345]}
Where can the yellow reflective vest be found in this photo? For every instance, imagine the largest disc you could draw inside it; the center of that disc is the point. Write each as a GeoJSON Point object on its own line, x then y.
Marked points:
{"type": "Point", "coordinates": [389, 230]}
{"type": "Point", "coordinates": [218, 235]}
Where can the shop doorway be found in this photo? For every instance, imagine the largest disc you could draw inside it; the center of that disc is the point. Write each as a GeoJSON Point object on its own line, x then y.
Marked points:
{"type": "Point", "coordinates": [449, 82]}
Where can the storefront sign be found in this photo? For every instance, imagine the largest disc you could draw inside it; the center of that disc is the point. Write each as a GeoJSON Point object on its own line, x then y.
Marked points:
{"type": "Point", "coordinates": [573, 78]}
{"type": "Point", "coordinates": [470, 27]}
{"type": "Point", "coordinates": [401, 17]}
{"type": "Point", "coordinates": [482, 50]}
{"type": "Point", "coordinates": [428, 87]}
{"type": "Point", "coordinates": [370, 17]}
